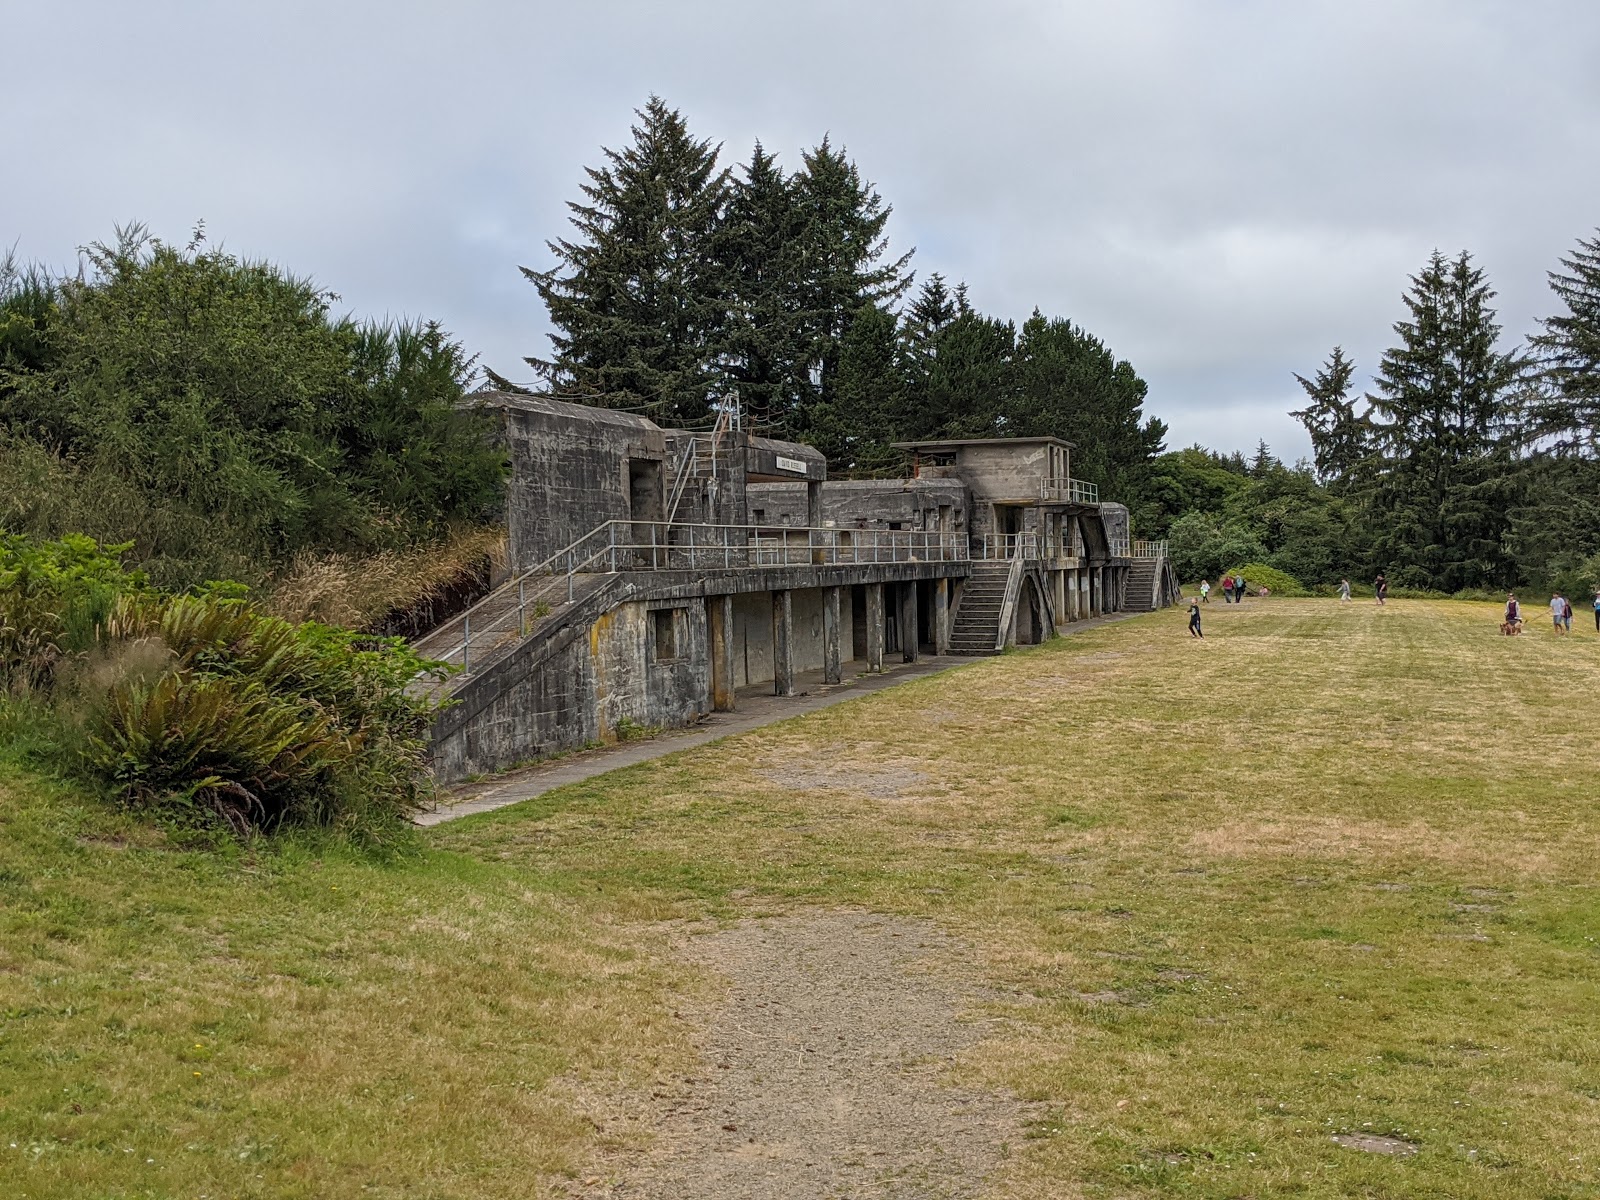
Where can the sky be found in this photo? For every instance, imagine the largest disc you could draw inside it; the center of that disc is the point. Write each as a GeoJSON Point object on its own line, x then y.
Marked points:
{"type": "Point", "coordinates": [1220, 190]}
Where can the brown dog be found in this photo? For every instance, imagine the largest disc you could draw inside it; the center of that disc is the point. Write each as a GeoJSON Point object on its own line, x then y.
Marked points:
{"type": "Point", "coordinates": [1510, 628]}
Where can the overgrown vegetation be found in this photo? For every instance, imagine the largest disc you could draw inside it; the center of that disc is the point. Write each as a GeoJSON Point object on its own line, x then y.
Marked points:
{"type": "Point", "coordinates": [199, 708]}
{"type": "Point", "coordinates": [212, 412]}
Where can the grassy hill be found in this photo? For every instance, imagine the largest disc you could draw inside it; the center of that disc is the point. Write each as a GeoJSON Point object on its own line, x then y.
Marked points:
{"type": "Point", "coordinates": [1328, 872]}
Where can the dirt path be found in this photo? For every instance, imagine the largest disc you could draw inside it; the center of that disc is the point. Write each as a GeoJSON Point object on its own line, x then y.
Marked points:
{"type": "Point", "coordinates": [821, 1071]}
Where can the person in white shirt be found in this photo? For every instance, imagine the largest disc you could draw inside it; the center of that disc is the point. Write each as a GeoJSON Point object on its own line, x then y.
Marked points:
{"type": "Point", "coordinates": [1558, 610]}
{"type": "Point", "coordinates": [1344, 591]}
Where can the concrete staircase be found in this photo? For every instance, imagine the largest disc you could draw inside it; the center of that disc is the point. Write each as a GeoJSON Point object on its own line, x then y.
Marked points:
{"type": "Point", "coordinates": [1151, 585]}
{"type": "Point", "coordinates": [493, 627]}
{"type": "Point", "coordinates": [976, 628]}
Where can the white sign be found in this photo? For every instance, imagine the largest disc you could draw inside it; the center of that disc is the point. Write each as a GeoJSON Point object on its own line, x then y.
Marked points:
{"type": "Point", "coordinates": [791, 464]}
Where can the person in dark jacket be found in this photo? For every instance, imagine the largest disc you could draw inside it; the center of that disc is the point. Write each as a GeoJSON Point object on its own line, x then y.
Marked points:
{"type": "Point", "coordinates": [1194, 619]}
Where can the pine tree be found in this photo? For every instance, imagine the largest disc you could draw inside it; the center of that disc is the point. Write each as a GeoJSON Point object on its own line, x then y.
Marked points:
{"type": "Point", "coordinates": [844, 265]}
{"type": "Point", "coordinates": [638, 297]}
{"type": "Point", "coordinates": [760, 248]}
{"type": "Point", "coordinates": [1439, 413]}
{"type": "Point", "coordinates": [866, 413]}
{"type": "Point", "coordinates": [1568, 413]}
{"type": "Point", "coordinates": [1069, 384]}
{"type": "Point", "coordinates": [1340, 437]}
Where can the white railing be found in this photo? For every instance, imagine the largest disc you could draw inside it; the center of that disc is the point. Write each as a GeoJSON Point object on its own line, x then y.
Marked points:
{"type": "Point", "coordinates": [1140, 549]}
{"type": "Point", "coordinates": [619, 546]}
{"type": "Point", "coordinates": [999, 547]}
{"type": "Point", "coordinates": [1062, 490]}
{"type": "Point", "coordinates": [1119, 546]}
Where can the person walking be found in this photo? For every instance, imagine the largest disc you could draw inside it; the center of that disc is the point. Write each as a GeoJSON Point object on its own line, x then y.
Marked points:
{"type": "Point", "coordinates": [1597, 610]}
{"type": "Point", "coordinates": [1513, 611]}
{"type": "Point", "coordinates": [1205, 592]}
{"type": "Point", "coordinates": [1566, 615]}
{"type": "Point", "coordinates": [1227, 589]}
{"type": "Point", "coordinates": [1380, 588]}
{"type": "Point", "coordinates": [1558, 606]}
{"type": "Point", "coordinates": [1344, 591]}
{"type": "Point", "coordinates": [1194, 619]}
{"type": "Point", "coordinates": [1239, 585]}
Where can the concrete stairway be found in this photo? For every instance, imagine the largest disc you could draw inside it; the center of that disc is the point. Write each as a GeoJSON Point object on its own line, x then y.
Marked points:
{"type": "Point", "coordinates": [1144, 577]}
{"type": "Point", "coordinates": [976, 628]}
{"type": "Point", "coordinates": [495, 628]}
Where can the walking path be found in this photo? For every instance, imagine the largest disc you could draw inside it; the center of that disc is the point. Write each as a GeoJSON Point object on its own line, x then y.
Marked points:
{"type": "Point", "coordinates": [755, 707]}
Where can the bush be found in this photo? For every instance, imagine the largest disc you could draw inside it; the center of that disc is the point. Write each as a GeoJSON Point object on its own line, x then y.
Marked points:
{"type": "Point", "coordinates": [255, 721]}
{"type": "Point", "coordinates": [1278, 583]}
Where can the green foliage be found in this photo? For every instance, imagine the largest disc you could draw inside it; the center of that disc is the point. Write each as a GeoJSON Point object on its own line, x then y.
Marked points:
{"type": "Point", "coordinates": [1341, 438]}
{"type": "Point", "coordinates": [55, 599]}
{"type": "Point", "coordinates": [257, 721]}
{"type": "Point", "coordinates": [1567, 412]}
{"type": "Point", "coordinates": [1258, 575]}
{"type": "Point", "coordinates": [212, 412]}
{"type": "Point", "coordinates": [1202, 545]}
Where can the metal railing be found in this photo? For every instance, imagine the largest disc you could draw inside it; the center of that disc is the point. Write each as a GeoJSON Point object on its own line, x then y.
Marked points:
{"type": "Point", "coordinates": [1062, 490]}
{"type": "Point", "coordinates": [619, 546]}
{"type": "Point", "coordinates": [999, 547]}
{"type": "Point", "coordinates": [1140, 549]}
{"type": "Point", "coordinates": [1119, 547]}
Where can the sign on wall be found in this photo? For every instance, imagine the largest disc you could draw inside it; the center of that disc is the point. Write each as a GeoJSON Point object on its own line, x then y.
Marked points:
{"type": "Point", "coordinates": [791, 464]}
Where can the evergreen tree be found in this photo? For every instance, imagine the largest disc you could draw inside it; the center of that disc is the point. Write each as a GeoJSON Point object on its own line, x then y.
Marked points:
{"type": "Point", "coordinates": [1069, 384]}
{"type": "Point", "coordinates": [1568, 413]}
{"type": "Point", "coordinates": [760, 248]}
{"type": "Point", "coordinates": [966, 385]}
{"type": "Point", "coordinates": [1340, 437]}
{"type": "Point", "coordinates": [1439, 412]}
{"type": "Point", "coordinates": [845, 265]}
{"type": "Point", "coordinates": [866, 413]}
{"type": "Point", "coordinates": [638, 297]}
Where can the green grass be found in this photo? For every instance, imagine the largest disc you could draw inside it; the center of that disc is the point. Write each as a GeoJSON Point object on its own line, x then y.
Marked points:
{"type": "Point", "coordinates": [1336, 863]}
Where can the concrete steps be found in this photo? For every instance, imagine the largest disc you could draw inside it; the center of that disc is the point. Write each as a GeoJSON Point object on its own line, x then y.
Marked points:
{"type": "Point", "coordinates": [976, 628]}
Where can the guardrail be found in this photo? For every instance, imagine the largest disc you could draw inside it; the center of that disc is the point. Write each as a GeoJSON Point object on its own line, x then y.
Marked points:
{"type": "Point", "coordinates": [1139, 549]}
{"type": "Point", "coordinates": [1062, 490]}
{"type": "Point", "coordinates": [664, 546]}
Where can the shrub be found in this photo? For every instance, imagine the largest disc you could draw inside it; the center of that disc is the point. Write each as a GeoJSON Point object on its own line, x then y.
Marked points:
{"type": "Point", "coordinates": [256, 721]}
{"type": "Point", "coordinates": [1278, 583]}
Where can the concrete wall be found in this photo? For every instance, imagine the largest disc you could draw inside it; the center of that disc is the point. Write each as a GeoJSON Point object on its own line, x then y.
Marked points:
{"type": "Point", "coordinates": [570, 471]}
{"type": "Point", "coordinates": [752, 634]}
{"type": "Point", "coordinates": [864, 503]}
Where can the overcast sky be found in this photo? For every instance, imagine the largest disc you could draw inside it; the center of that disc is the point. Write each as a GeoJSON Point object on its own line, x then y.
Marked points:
{"type": "Point", "coordinates": [1221, 191]}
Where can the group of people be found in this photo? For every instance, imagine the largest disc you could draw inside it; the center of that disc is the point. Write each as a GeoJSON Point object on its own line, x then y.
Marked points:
{"type": "Point", "coordinates": [1233, 589]}
{"type": "Point", "coordinates": [1380, 590]}
{"type": "Point", "coordinates": [1560, 613]}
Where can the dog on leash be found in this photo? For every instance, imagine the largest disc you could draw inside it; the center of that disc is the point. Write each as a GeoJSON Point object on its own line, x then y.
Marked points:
{"type": "Point", "coordinates": [1510, 628]}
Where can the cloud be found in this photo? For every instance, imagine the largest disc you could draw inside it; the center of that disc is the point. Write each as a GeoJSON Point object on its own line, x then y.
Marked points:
{"type": "Point", "coordinates": [1221, 191]}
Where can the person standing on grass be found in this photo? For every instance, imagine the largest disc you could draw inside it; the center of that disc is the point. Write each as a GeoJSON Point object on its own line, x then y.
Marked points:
{"type": "Point", "coordinates": [1205, 592]}
{"type": "Point", "coordinates": [1597, 610]}
{"type": "Point", "coordinates": [1227, 589]}
{"type": "Point", "coordinates": [1513, 610]}
{"type": "Point", "coordinates": [1344, 591]}
{"type": "Point", "coordinates": [1380, 588]}
{"type": "Point", "coordinates": [1194, 619]}
{"type": "Point", "coordinates": [1558, 606]}
{"type": "Point", "coordinates": [1239, 586]}
{"type": "Point", "coordinates": [1566, 615]}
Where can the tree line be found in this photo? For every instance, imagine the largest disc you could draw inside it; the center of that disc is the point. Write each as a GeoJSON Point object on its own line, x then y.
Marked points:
{"type": "Point", "coordinates": [685, 283]}
{"type": "Point", "coordinates": [1469, 465]}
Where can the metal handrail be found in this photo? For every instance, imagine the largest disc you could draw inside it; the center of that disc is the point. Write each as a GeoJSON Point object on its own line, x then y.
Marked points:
{"type": "Point", "coordinates": [1063, 489]}
{"type": "Point", "coordinates": [1140, 549]}
{"type": "Point", "coordinates": [619, 546]}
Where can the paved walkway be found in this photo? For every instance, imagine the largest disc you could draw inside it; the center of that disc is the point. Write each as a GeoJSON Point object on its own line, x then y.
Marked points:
{"type": "Point", "coordinates": [755, 707]}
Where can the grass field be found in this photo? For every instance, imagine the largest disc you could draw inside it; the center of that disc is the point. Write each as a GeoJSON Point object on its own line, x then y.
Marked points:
{"type": "Point", "coordinates": [1329, 871]}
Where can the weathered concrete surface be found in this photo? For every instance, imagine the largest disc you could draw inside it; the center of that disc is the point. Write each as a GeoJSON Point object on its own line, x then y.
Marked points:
{"type": "Point", "coordinates": [756, 707]}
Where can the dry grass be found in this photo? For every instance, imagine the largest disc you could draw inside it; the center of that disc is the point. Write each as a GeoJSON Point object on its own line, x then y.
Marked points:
{"type": "Point", "coordinates": [358, 590]}
{"type": "Point", "coordinates": [1328, 872]}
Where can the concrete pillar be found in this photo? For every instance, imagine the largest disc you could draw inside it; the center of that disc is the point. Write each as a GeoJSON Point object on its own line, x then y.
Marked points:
{"type": "Point", "coordinates": [874, 626]}
{"type": "Point", "coordinates": [941, 617]}
{"type": "Point", "coordinates": [782, 644]}
{"type": "Point", "coordinates": [719, 610]}
{"type": "Point", "coordinates": [1092, 577]}
{"type": "Point", "coordinates": [908, 621]}
{"type": "Point", "coordinates": [1074, 595]}
{"type": "Point", "coordinates": [830, 636]}
{"type": "Point", "coordinates": [814, 521]}
{"type": "Point", "coordinates": [1058, 580]}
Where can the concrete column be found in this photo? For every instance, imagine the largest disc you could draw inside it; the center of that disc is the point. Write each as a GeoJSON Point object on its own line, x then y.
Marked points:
{"type": "Point", "coordinates": [782, 644]}
{"type": "Point", "coordinates": [720, 612]}
{"type": "Point", "coordinates": [830, 636]}
{"type": "Point", "coordinates": [908, 621]}
{"type": "Point", "coordinates": [1074, 595]}
{"type": "Point", "coordinates": [814, 520]}
{"type": "Point", "coordinates": [941, 617]}
{"type": "Point", "coordinates": [1092, 577]}
{"type": "Point", "coordinates": [1058, 580]}
{"type": "Point", "coordinates": [874, 626]}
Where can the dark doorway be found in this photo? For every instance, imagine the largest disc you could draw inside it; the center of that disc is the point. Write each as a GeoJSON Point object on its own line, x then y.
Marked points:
{"type": "Point", "coordinates": [858, 621]}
